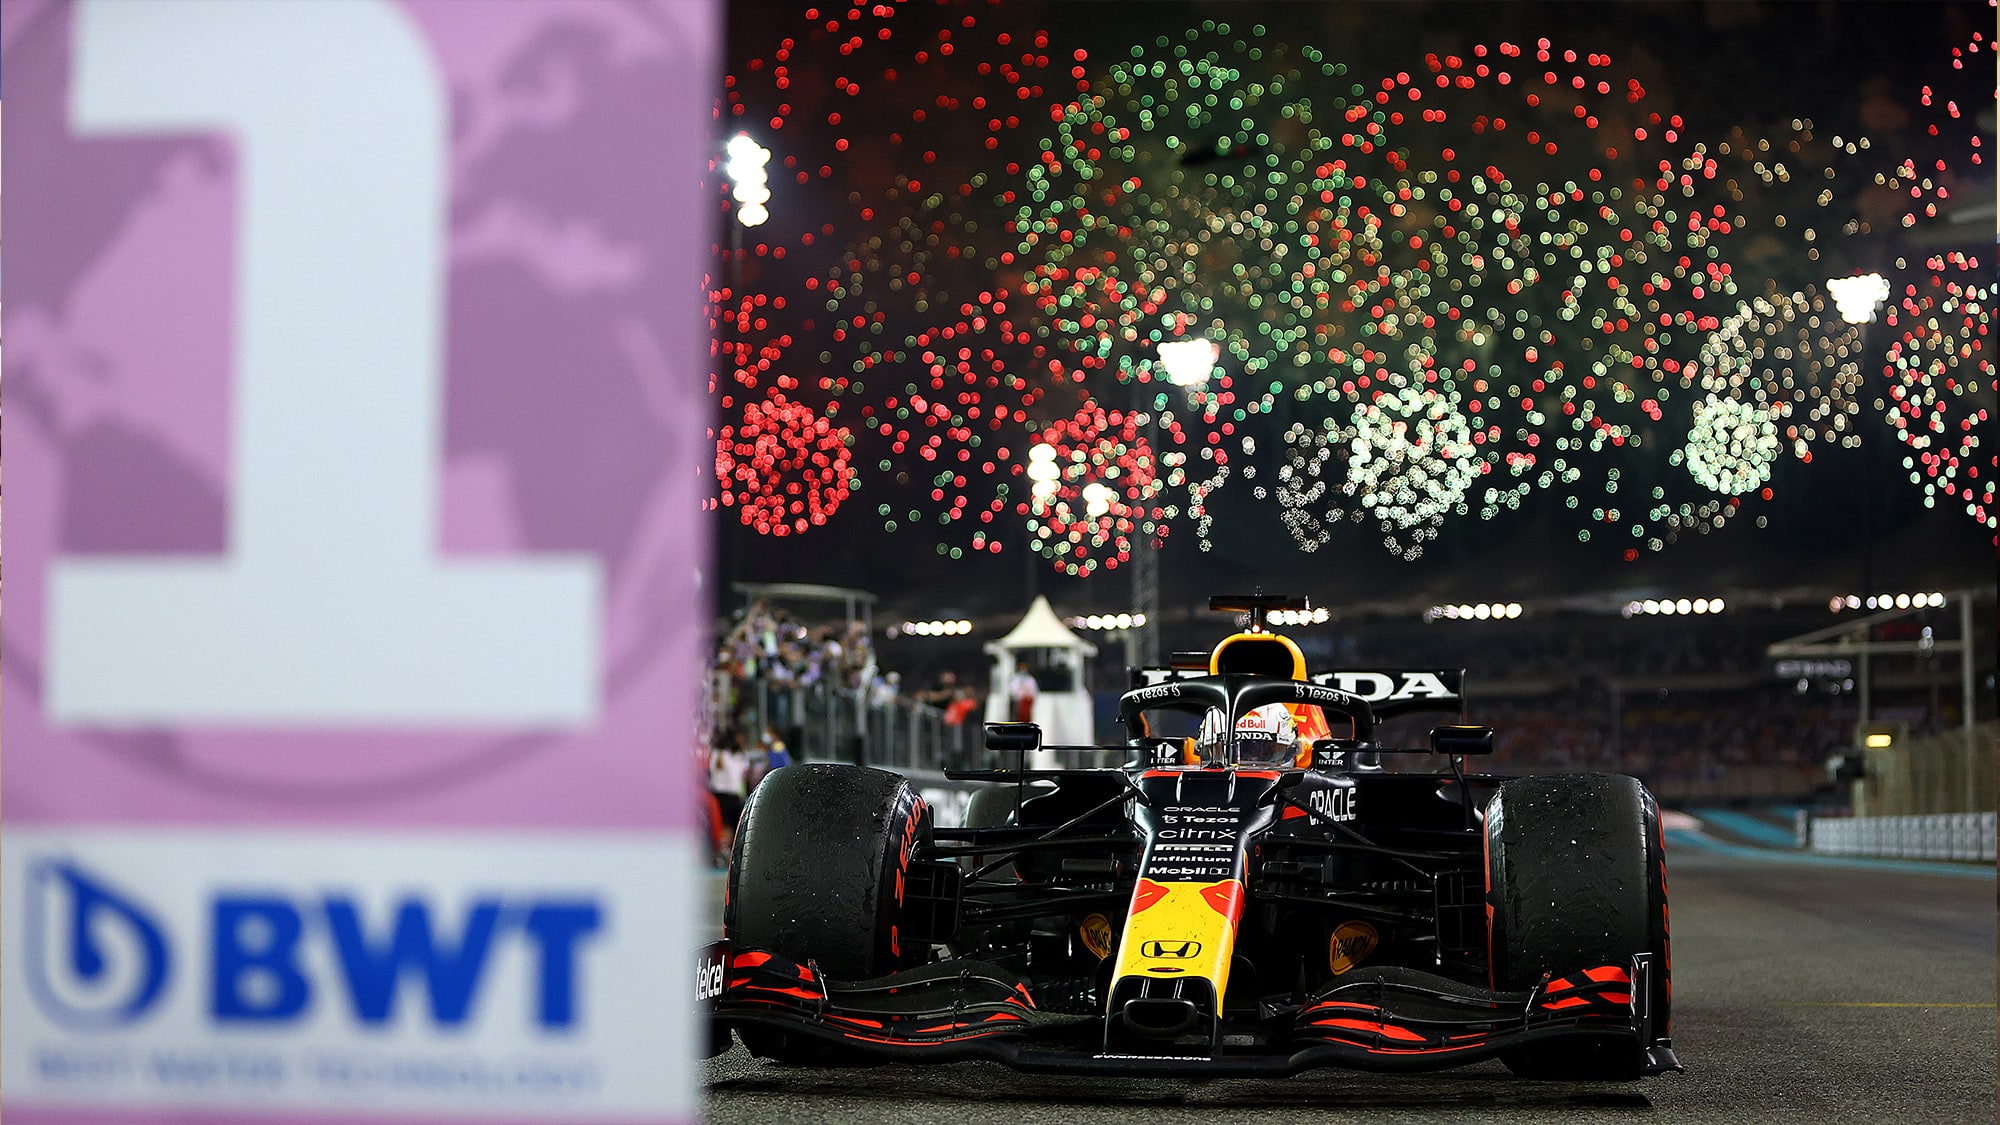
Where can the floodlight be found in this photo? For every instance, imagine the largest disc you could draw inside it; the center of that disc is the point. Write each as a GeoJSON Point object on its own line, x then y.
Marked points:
{"type": "Point", "coordinates": [1189, 363]}
{"type": "Point", "coordinates": [1857, 297]}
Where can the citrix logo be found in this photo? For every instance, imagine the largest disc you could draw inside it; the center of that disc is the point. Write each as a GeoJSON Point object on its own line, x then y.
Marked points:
{"type": "Point", "coordinates": [95, 958]}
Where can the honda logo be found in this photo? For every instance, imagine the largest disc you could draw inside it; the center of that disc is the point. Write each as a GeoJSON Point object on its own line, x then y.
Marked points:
{"type": "Point", "coordinates": [1171, 950]}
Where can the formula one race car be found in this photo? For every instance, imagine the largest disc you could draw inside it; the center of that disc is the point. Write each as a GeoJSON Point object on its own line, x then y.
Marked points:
{"type": "Point", "coordinates": [1240, 889]}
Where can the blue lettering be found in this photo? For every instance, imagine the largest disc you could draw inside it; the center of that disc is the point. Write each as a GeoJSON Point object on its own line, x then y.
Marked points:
{"type": "Point", "coordinates": [256, 966]}
{"type": "Point", "coordinates": [373, 970]}
{"type": "Point", "coordinates": [260, 974]}
{"type": "Point", "coordinates": [555, 928]}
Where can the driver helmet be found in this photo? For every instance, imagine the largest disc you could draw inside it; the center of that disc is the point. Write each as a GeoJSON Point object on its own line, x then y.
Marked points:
{"type": "Point", "coordinates": [1264, 736]}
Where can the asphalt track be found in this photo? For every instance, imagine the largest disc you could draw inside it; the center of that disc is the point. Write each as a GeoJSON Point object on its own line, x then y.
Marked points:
{"type": "Point", "coordinates": [1804, 990]}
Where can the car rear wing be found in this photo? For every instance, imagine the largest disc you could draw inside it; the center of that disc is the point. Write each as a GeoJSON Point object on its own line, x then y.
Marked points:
{"type": "Point", "coordinates": [1388, 691]}
{"type": "Point", "coordinates": [1401, 691]}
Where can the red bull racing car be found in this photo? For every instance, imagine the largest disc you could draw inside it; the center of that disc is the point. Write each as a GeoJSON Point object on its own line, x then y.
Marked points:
{"type": "Point", "coordinates": [1239, 888]}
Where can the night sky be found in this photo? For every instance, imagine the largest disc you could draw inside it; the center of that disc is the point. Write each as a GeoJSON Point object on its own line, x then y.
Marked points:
{"type": "Point", "coordinates": [1511, 299]}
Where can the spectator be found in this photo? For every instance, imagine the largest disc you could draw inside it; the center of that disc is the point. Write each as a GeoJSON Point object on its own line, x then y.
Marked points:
{"type": "Point", "coordinates": [1021, 691]}
{"type": "Point", "coordinates": [886, 688]}
{"type": "Point", "coordinates": [776, 754]}
{"type": "Point", "coordinates": [943, 691]}
{"type": "Point", "coordinates": [960, 708]}
{"type": "Point", "coordinates": [729, 775]}
{"type": "Point", "coordinates": [720, 838]}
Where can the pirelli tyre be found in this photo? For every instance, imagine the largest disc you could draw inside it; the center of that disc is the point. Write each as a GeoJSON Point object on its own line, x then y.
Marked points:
{"type": "Point", "coordinates": [818, 877]}
{"type": "Point", "coordinates": [1576, 878]}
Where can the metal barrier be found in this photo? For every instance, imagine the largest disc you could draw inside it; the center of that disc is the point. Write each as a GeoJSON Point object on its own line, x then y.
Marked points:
{"type": "Point", "coordinates": [1920, 798]}
{"type": "Point", "coordinates": [1949, 772]}
{"type": "Point", "coordinates": [821, 724]}
{"type": "Point", "coordinates": [1965, 836]}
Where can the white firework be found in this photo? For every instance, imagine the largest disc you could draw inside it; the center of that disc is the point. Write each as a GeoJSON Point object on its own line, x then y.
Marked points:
{"type": "Point", "coordinates": [1794, 356]}
{"type": "Point", "coordinates": [1730, 445]}
{"type": "Point", "coordinates": [1308, 497]}
{"type": "Point", "coordinates": [1411, 460]}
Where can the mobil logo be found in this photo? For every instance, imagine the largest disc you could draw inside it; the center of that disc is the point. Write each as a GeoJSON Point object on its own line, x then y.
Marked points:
{"type": "Point", "coordinates": [98, 957]}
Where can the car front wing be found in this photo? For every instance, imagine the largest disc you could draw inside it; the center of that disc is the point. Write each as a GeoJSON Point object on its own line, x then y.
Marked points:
{"type": "Point", "coordinates": [1383, 1019]}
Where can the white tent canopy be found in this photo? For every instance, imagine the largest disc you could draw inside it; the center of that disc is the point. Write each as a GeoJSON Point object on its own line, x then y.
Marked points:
{"type": "Point", "coordinates": [1044, 642]}
{"type": "Point", "coordinates": [1041, 628]}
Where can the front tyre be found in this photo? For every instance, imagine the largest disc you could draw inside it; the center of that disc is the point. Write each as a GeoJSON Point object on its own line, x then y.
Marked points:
{"type": "Point", "coordinates": [818, 876]}
{"type": "Point", "coordinates": [1576, 878]}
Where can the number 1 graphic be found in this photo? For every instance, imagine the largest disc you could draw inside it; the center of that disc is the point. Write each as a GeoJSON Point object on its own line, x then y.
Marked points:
{"type": "Point", "coordinates": [331, 606]}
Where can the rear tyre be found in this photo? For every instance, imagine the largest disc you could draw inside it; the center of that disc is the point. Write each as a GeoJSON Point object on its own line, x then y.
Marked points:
{"type": "Point", "coordinates": [1576, 878]}
{"type": "Point", "coordinates": [817, 876]}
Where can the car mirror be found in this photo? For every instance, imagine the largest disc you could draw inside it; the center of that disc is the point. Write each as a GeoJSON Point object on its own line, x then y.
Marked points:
{"type": "Point", "coordinates": [1014, 737]}
{"type": "Point", "coordinates": [1460, 741]}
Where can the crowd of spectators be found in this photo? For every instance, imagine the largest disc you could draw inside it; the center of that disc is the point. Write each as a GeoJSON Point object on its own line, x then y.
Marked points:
{"type": "Point", "coordinates": [955, 702]}
{"type": "Point", "coordinates": [1688, 703]}
{"type": "Point", "coordinates": [763, 656]}
{"type": "Point", "coordinates": [1615, 646]}
{"type": "Point", "coordinates": [771, 645]}
{"type": "Point", "coordinates": [1668, 736]}
{"type": "Point", "coordinates": [767, 662]}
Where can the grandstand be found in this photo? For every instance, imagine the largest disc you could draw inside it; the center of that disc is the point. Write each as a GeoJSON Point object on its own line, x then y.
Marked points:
{"type": "Point", "coordinates": [1694, 704]}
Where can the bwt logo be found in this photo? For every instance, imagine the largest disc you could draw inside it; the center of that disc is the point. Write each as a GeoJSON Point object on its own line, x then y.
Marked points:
{"type": "Point", "coordinates": [97, 959]}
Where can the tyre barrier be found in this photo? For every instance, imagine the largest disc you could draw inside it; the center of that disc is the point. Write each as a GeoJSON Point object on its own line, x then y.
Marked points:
{"type": "Point", "coordinates": [1961, 836]}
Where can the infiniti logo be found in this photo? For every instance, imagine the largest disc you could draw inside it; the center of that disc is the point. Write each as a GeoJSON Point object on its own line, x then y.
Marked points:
{"type": "Point", "coordinates": [95, 959]}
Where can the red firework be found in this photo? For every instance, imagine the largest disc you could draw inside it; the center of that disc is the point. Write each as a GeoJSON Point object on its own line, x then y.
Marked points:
{"type": "Point", "coordinates": [785, 466]}
{"type": "Point", "coordinates": [1098, 494]}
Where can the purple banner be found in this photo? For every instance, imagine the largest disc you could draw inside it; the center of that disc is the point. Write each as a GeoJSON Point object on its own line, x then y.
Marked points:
{"type": "Point", "coordinates": [357, 361]}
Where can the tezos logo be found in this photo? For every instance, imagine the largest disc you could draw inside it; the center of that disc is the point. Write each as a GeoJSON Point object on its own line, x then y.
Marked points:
{"type": "Point", "coordinates": [96, 959]}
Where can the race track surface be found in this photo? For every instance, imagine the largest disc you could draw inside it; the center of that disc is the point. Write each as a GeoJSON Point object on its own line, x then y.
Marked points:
{"type": "Point", "coordinates": [1803, 991]}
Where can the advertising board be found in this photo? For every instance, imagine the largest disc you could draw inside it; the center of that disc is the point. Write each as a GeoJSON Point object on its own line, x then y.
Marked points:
{"type": "Point", "coordinates": [356, 359]}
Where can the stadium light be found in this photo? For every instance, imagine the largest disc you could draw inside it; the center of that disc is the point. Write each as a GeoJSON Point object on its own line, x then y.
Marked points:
{"type": "Point", "coordinates": [956, 628]}
{"type": "Point", "coordinates": [1672, 607]}
{"type": "Point", "coordinates": [1107, 622]}
{"type": "Point", "coordinates": [749, 184]}
{"type": "Point", "coordinates": [1486, 611]}
{"type": "Point", "coordinates": [1043, 474]}
{"type": "Point", "coordinates": [1930, 599]}
{"type": "Point", "coordinates": [1858, 297]}
{"type": "Point", "coordinates": [1189, 362]}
